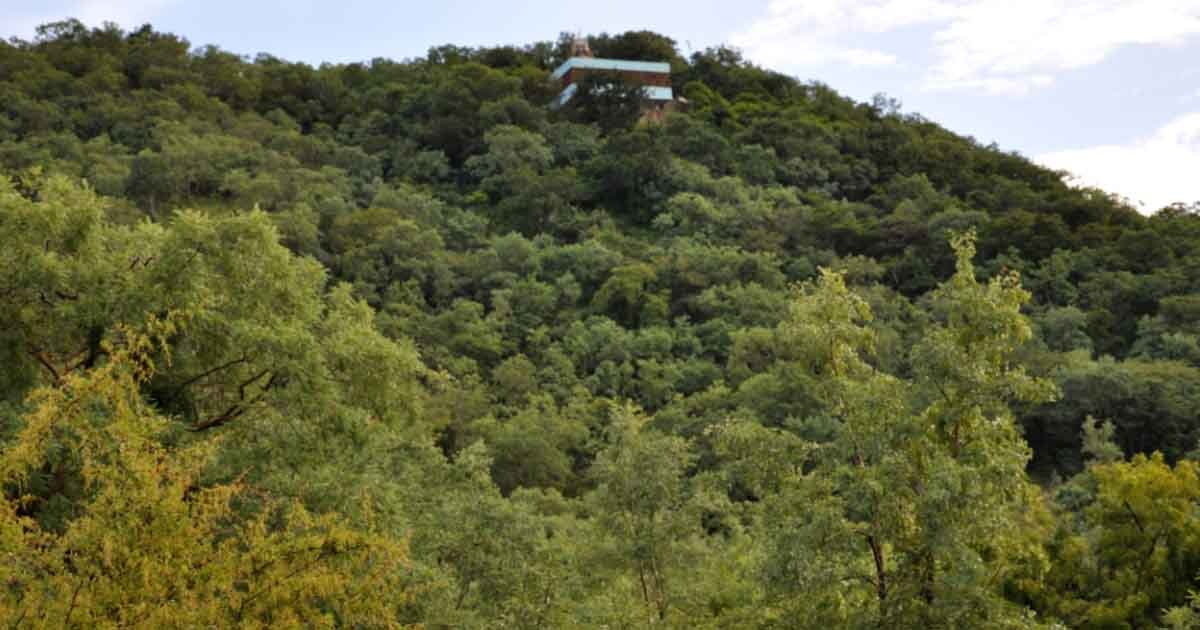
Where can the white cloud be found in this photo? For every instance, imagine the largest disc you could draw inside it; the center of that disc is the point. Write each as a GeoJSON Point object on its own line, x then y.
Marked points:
{"type": "Point", "coordinates": [1021, 40]}
{"type": "Point", "coordinates": [128, 13]}
{"type": "Point", "coordinates": [1155, 171]}
{"type": "Point", "coordinates": [807, 33]}
{"type": "Point", "coordinates": [1007, 46]}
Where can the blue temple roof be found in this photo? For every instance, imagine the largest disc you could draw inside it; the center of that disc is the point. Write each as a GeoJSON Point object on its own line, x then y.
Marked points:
{"type": "Point", "coordinates": [591, 63]}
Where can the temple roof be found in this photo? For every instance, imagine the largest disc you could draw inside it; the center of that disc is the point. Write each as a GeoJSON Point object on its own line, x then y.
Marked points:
{"type": "Point", "coordinates": [592, 63]}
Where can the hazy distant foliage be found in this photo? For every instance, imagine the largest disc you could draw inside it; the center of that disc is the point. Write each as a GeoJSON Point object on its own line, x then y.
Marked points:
{"type": "Point", "coordinates": [390, 344]}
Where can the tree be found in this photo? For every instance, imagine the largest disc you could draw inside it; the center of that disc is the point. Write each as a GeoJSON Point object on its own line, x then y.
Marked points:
{"type": "Point", "coordinates": [642, 501]}
{"type": "Point", "coordinates": [908, 513]}
{"type": "Point", "coordinates": [607, 99]}
{"type": "Point", "coordinates": [843, 455]}
{"type": "Point", "coordinates": [1184, 617]}
{"type": "Point", "coordinates": [149, 543]}
{"type": "Point", "coordinates": [517, 175]}
{"type": "Point", "coordinates": [1127, 546]}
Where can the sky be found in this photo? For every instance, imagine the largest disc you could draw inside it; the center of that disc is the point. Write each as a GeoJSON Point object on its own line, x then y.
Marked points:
{"type": "Point", "coordinates": [1107, 90]}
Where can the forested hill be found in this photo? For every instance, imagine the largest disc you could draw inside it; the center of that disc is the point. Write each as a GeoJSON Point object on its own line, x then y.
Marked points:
{"type": "Point", "coordinates": [391, 342]}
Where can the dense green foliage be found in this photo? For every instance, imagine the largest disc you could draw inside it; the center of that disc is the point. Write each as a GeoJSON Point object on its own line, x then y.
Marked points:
{"type": "Point", "coordinates": [393, 343]}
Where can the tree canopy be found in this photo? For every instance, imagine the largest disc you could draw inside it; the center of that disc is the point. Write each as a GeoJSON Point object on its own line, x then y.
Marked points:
{"type": "Point", "coordinates": [393, 343]}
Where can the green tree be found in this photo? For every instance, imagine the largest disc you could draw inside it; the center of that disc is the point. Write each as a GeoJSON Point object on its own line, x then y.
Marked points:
{"type": "Point", "coordinates": [642, 504]}
{"type": "Point", "coordinates": [910, 512]}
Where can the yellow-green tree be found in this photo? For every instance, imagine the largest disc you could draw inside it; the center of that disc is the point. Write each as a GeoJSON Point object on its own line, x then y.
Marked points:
{"type": "Point", "coordinates": [147, 545]}
{"type": "Point", "coordinates": [1127, 545]}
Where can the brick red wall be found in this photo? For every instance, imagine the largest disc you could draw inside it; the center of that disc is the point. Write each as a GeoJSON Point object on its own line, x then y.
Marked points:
{"type": "Point", "coordinates": [658, 79]}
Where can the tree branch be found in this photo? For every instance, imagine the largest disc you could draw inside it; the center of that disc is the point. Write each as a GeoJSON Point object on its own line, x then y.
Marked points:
{"type": "Point", "coordinates": [1136, 521]}
{"type": "Point", "coordinates": [242, 406]}
{"type": "Point", "coordinates": [210, 372]}
{"type": "Point", "coordinates": [41, 358]}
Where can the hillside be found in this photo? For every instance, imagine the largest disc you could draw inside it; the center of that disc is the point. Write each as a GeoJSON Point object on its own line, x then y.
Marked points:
{"type": "Point", "coordinates": [392, 343]}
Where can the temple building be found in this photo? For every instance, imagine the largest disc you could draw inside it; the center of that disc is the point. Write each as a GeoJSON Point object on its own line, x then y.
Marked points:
{"type": "Point", "coordinates": [653, 76]}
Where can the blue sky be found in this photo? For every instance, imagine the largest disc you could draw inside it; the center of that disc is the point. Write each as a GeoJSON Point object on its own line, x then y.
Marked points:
{"type": "Point", "coordinates": [1106, 89]}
